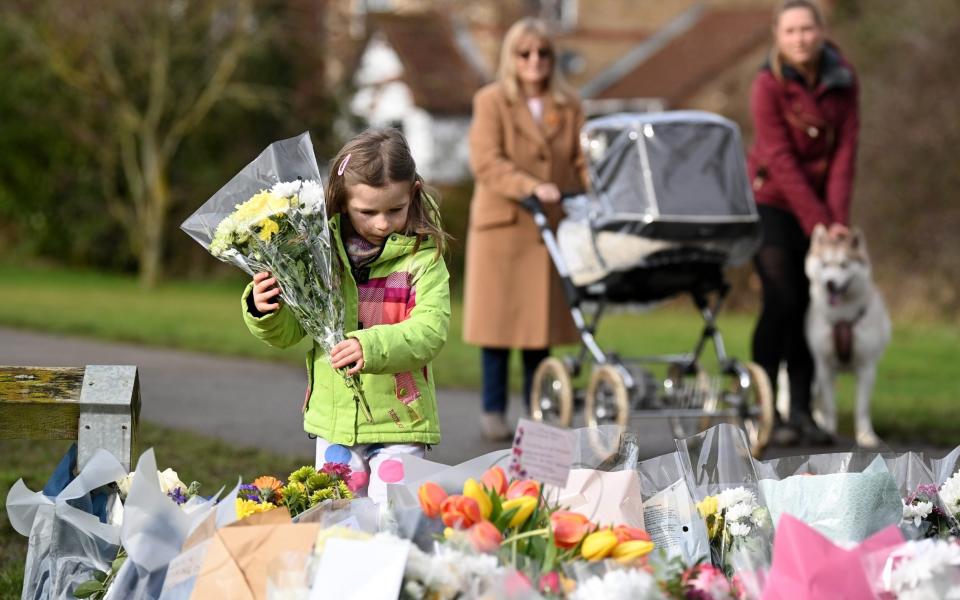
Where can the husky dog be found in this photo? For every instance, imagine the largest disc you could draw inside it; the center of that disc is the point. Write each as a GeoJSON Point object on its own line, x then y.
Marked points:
{"type": "Point", "coordinates": [847, 325]}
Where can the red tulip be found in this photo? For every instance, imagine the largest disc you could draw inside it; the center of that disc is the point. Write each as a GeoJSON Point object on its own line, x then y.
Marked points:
{"type": "Point", "coordinates": [628, 534]}
{"type": "Point", "coordinates": [460, 512]}
{"type": "Point", "coordinates": [569, 528]}
{"type": "Point", "coordinates": [495, 479]}
{"type": "Point", "coordinates": [485, 537]}
{"type": "Point", "coordinates": [550, 583]}
{"type": "Point", "coordinates": [526, 487]}
{"type": "Point", "coordinates": [431, 498]}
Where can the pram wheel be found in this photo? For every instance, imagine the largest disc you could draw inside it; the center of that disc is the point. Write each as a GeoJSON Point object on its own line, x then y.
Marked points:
{"type": "Point", "coordinates": [551, 395]}
{"type": "Point", "coordinates": [757, 409]}
{"type": "Point", "coordinates": [607, 400]}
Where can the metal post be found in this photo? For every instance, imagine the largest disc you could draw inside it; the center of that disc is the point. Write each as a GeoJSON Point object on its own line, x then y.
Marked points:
{"type": "Point", "coordinates": [109, 413]}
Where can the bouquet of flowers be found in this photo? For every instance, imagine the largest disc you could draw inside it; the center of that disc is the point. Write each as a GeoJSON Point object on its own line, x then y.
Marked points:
{"type": "Point", "coordinates": [733, 518]}
{"type": "Point", "coordinates": [305, 488]}
{"type": "Point", "coordinates": [512, 521]}
{"type": "Point", "coordinates": [923, 514]}
{"type": "Point", "coordinates": [272, 217]}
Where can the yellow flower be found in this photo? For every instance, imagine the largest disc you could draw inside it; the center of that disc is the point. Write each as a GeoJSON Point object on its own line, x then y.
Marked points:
{"type": "Point", "coordinates": [708, 506]}
{"type": "Point", "coordinates": [629, 551]}
{"type": "Point", "coordinates": [599, 544]}
{"type": "Point", "coordinates": [524, 506]}
{"type": "Point", "coordinates": [268, 227]}
{"type": "Point", "coordinates": [472, 489]}
{"type": "Point", "coordinates": [245, 507]}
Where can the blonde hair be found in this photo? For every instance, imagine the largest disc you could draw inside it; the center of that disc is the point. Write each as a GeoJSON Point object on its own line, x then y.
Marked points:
{"type": "Point", "coordinates": [776, 61]}
{"type": "Point", "coordinates": [379, 157]}
{"type": "Point", "coordinates": [507, 71]}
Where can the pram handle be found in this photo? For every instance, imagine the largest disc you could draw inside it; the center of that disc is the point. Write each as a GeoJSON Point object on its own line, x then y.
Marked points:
{"type": "Point", "coordinates": [535, 207]}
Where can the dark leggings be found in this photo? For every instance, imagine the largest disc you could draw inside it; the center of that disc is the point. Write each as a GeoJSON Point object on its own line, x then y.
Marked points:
{"type": "Point", "coordinates": [496, 367]}
{"type": "Point", "coordinates": [779, 335]}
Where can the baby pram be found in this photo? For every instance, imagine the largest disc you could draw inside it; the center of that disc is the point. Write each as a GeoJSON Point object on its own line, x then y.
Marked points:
{"type": "Point", "coordinates": [670, 207]}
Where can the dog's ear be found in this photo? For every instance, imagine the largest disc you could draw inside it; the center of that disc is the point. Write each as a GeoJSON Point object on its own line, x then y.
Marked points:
{"type": "Point", "coordinates": [858, 243]}
{"type": "Point", "coordinates": [819, 232]}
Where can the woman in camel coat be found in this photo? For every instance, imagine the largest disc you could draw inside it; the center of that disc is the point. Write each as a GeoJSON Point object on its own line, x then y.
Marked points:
{"type": "Point", "coordinates": [524, 140]}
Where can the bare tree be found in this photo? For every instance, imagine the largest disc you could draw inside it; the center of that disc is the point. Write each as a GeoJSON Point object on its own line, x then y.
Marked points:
{"type": "Point", "coordinates": [145, 75]}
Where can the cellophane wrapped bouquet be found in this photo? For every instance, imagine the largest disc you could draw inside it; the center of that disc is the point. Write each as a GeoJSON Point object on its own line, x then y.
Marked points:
{"type": "Point", "coordinates": [271, 217]}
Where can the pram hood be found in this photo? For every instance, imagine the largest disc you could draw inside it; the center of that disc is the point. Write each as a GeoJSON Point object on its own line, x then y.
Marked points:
{"type": "Point", "coordinates": [677, 166]}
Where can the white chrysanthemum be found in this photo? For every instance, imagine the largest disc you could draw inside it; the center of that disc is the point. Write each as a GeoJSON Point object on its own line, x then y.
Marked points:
{"type": "Point", "coordinates": [737, 529]}
{"type": "Point", "coordinates": [311, 198]}
{"type": "Point", "coordinates": [950, 494]}
{"type": "Point", "coordinates": [728, 498]}
{"type": "Point", "coordinates": [925, 565]}
{"type": "Point", "coordinates": [916, 512]}
{"type": "Point", "coordinates": [449, 573]}
{"type": "Point", "coordinates": [626, 584]}
{"type": "Point", "coordinates": [286, 189]}
{"type": "Point", "coordinates": [738, 512]}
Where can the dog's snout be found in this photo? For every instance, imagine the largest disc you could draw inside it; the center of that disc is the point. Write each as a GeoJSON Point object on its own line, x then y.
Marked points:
{"type": "Point", "coordinates": [832, 286]}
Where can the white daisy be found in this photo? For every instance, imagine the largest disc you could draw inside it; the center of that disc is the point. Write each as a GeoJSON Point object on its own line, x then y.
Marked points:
{"type": "Point", "coordinates": [738, 511]}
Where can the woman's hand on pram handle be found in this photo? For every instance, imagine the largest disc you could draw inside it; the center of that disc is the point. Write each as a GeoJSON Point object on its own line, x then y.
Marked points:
{"type": "Point", "coordinates": [548, 193]}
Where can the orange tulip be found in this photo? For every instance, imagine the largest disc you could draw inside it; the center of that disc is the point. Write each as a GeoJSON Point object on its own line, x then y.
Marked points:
{"type": "Point", "coordinates": [431, 497]}
{"type": "Point", "coordinates": [495, 479]}
{"type": "Point", "coordinates": [472, 489]}
{"type": "Point", "coordinates": [460, 512]}
{"type": "Point", "coordinates": [485, 537]}
{"type": "Point", "coordinates": [569, 528]}
{"type": "Point", "coordinates": [627, 534]}
{"type": "Point", "coordinates": [526, 487]}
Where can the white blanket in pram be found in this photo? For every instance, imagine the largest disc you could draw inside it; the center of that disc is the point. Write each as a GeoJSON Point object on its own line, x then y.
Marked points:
{"type": "Point", "coordinates": [591, 256]}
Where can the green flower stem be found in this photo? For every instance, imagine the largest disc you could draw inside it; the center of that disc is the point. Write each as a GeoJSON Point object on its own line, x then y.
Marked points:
{"type": "Point", "coordinates": [526, 534]}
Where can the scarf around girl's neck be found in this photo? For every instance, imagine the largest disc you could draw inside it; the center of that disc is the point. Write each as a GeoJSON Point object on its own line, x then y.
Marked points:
{"type": "Point", "coordinates": [360, 252]}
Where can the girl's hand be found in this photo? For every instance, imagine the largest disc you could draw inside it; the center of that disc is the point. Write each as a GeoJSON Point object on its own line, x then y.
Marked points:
{"type": "Point", "coordinates": [265, 292]}
{"type": "Point", "coordinates": [348, 352]}
{"type": "Point", "coordinates": [548, 193]}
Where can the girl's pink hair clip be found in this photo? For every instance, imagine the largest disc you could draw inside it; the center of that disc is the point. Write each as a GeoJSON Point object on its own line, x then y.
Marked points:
{"type": "Point", "coordinates": [343, 165]}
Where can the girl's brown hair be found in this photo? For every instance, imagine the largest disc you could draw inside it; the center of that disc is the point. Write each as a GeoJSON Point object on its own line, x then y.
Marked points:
{"type": "Point", "coordinates": [776, 61]}
{"type": "Point", "coordinates": [379, 157]}
{"type": "Point", "coordinates": [507, 71]}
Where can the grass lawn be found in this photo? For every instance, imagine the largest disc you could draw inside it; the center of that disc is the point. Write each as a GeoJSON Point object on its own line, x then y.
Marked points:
{"type": "Point", "coordinates": [211, 462]}
{"type": "Point", "coordinates": [914, 400]}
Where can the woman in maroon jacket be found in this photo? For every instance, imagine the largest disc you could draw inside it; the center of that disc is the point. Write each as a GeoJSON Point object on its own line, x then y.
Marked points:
{"type": "Point", "coordinates": [804, 106]}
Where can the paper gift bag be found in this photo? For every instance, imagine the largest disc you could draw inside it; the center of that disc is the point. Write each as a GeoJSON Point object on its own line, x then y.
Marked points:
{"type": "Point", "coordinates": [235, 565]}
{"type": "Point", "coordinates": [604, 497]}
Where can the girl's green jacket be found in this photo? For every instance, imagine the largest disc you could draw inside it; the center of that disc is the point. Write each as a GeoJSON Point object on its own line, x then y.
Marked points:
{"type": "Point", "coordinates": [400, 313]}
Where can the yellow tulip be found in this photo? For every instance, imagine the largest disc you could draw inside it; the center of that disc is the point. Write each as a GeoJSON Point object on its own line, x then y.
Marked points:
{"type": "Point", "coordinates": [599, 544]}
{"type": "Point", "coordinates": [472, 489]}
{"type": "Point", "coordinates": [629, 551]}
{"type": "Point", "coordinates": [708, 506]}
{"type": "Point", "coordinates": [524, 506]}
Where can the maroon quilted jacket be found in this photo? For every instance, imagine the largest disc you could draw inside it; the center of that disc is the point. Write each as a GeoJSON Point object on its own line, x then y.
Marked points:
{"type": "Point", "coordinates": [805, 141]}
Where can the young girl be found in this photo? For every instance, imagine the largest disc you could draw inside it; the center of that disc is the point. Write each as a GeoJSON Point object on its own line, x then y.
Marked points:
{"type": "Point", "coordinates": [397, 311]}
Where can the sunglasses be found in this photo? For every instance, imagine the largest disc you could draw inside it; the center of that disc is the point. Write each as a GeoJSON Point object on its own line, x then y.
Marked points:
{"type": "Point", "coordinates": [541, 52]}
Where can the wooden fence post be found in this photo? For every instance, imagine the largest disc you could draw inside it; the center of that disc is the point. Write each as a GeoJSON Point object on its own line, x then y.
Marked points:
{"type": "Point", "coordinates": [98, 406]}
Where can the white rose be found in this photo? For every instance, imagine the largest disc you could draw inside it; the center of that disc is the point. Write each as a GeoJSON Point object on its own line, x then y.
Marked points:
{"type": "Point", "coordinates": [169, 481]}
{"type": "Point", "coordinates": [124, 485]}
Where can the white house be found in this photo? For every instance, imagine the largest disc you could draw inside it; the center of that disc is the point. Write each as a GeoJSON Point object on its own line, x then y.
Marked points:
{"type": "Point", "coordinates": [413, 75]}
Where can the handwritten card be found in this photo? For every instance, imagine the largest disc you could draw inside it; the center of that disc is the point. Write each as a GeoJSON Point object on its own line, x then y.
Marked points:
{"type": "Point", "coordinates": [541, 452]}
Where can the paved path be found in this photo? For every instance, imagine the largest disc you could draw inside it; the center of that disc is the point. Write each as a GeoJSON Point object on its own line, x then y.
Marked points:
{"type": "Point", "coordinates": [257, 403]}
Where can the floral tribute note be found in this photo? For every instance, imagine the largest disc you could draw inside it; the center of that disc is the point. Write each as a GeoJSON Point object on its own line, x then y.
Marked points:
{"type": "Point", "coordinates": [542, 452]}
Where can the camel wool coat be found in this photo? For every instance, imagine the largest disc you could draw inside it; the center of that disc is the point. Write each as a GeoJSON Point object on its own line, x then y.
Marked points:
{"type": "Point", "coordinates": [512, 293]}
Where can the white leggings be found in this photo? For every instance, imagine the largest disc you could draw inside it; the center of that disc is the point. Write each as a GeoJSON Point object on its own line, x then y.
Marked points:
{"type": "Point", "coordinates": [373, 465]}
